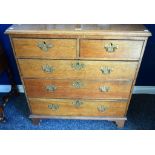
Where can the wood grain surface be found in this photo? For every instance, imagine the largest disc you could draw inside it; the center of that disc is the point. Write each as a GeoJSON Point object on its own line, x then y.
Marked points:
{"type": "Point", "coordinates": [127, 49]}
{"type": "Point", "coordinates": [72, 69]}
{"type": "Point", "coordinates": [66, 89]}
{"type": "Point", "coordinates": [79, 29]}
{"type": "Point", "coordinates": [67, 108]}
{"type": "Point", "coordinates": [60, 48]}
{"type": "Point", "coordinates": [62, 64]}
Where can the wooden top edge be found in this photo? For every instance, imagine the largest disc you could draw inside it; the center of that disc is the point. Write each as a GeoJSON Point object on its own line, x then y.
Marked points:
{"type": "Point", "coordinates": [79, 29]}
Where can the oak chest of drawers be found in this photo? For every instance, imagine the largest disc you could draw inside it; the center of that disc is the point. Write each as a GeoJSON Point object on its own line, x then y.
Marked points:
{"type": "Point", "coordinates": [78, 71]}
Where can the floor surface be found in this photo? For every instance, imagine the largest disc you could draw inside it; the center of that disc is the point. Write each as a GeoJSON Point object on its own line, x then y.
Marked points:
{"type": "Point", "coordinates": [141, 116]}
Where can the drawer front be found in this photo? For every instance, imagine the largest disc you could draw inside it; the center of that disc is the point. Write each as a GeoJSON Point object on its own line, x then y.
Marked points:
{"type": "Point", "coordinates": [61, 107]}
{"type": "Point", "coordinates": [45, 48]}
{"type": "Point", "coordinates": [66, 69]}
{"type": "Point", "coordinates": [77, 89]}
{"type": "Point", "coordinates": [111, 49]}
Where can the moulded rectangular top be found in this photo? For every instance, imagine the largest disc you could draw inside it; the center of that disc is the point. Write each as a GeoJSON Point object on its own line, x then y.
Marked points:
{"type": "Point", "coordinates": [80, 29]}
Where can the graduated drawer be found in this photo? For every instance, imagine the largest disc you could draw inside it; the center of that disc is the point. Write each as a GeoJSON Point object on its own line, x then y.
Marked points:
{"type": "Point", "coordinates": [45, 48]}
{"type": "Point", "coordinates": [111, 49]}
{"type": "Point", "coordinates": [77, 89]}
{"type": "Point", "coordinates": [70, 69]}
{"type": "Point", "coordinates": [63, 107]}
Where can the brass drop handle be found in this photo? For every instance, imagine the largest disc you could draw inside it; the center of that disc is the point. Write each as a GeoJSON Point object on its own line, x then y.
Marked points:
{"type": "Point", "coordinates": [51, 88]}
{"type": "Point", "coordinates": [106, 70]}
{"type": "Point", "coordinates": [77, 103]}
{"type": "Point", "coordinates": [104, 88]}
{"type": "Point", "coordinates": [111, 47]}
{"type": "Point", "coordinates": [44, 46]}
{"type": "Point", "coordinates": [47, 68]}
{"type": "Point", "coordinates": [77, 84]}
{"type": "Point", "coordinates": [53, 107]}
{"type": "Point", "coordinates": [102, 108]}
{"type": "Point", "coordinates": [77, 65]}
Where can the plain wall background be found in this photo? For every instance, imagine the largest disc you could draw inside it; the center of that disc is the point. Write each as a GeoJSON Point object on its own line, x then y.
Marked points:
{"type": "Point", "coordinates": [146, 76]}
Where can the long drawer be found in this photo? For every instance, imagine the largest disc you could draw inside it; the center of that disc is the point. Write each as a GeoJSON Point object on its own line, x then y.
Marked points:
{"type": "Point", "coordinates": [111, 49]}
{"type": "Point", "coordinates": [45, 48]}
{"type": "Point", "coordinates": [63, 107]}
{"type": "Point", "coordinates": [70, 69]}
{"type": "Point", "coordinates": [47, 88]}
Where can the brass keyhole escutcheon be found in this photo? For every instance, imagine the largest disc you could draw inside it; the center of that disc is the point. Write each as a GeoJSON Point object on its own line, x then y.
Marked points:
{"type": "Point", "coordinates": [77, 103]}
{"type": "Point", "coordinates": [51, 88]}
{"type": "Point", "coordinates": [111, 47]}
{"type": "Point", "coordinates": [77, 84]}
{"type": "Point", "coordinates": [44, 46]}
{"type": "Point", "coordinates": [47, 68]}
{"type": "Point", "coordinates": [78, 65]}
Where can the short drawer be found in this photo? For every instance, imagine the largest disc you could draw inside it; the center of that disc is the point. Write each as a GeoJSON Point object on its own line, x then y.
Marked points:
{"type": "Point", "coordinates": [111, 49]}
{"type": "Point", "coordinates": [77, 89]}
{"type": "Point", "coordinates": [45, 48]}
{"type": "Point", "coordinates": [63, 107]}
{"type": "Point", "coordinates": [70, 69]}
